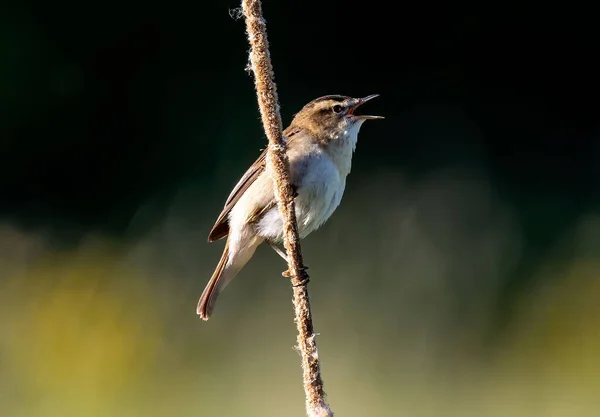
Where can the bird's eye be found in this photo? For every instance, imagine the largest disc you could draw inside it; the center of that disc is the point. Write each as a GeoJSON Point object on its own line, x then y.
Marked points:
{"type": "Point", "coordinates": [337, 108]}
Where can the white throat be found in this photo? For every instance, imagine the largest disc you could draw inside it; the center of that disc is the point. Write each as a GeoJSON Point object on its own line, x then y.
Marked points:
{"type": "Point", "coordinates": [343, 145]}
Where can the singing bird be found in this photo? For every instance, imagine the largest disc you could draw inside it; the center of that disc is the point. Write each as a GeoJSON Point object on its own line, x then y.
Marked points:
{"type": "Point", "coordinates": [320, 142]}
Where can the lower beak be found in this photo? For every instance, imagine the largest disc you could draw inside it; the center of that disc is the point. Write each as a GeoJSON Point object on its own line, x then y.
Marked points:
{"type": "Point", "coordinates": [367, 117]}
{"type": "Point", "coordinates": [362, 101]}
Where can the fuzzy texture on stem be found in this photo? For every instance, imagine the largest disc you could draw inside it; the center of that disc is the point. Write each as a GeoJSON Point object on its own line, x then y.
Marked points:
{"type": "Point", "coordinates": [278, 166]}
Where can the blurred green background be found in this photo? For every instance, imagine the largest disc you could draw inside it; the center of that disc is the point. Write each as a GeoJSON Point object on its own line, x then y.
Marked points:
{"type": "Point", "coordinates": [459, 277]}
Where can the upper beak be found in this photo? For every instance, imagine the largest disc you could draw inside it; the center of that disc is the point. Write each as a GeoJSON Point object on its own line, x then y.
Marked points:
{"type": "Point", "coordinates": [362, 101]}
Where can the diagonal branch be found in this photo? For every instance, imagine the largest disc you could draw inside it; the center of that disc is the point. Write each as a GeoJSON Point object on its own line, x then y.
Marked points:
{"type": "Point", "coordinates": [278, 166]}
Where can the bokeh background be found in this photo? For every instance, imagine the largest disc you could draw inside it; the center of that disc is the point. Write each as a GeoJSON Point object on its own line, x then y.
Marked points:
{"type": "Point", "coordinates": [459, 277]}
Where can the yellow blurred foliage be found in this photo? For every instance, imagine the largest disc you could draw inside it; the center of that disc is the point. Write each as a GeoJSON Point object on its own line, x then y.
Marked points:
{"type": "Point", "coordinates": [557, 331]}
{"type": "Point", "coordinates": [89, 332]}
{"type": "Point", "coordinates": [81, 326]}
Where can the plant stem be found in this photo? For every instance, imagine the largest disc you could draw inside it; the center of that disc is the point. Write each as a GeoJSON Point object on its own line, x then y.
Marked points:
{"type": "Point", "coordinates": [278, 166]}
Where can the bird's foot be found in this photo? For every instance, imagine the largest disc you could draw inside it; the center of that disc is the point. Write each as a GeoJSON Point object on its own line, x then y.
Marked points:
{"type": "Point", "coordinates": [303, 276]}
{"type": "Point", "coordinates": [288, 274]}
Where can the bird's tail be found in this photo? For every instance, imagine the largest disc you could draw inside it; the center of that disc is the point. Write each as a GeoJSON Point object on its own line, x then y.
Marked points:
{"type": "Point", "coordinates": [206, 304]}
{"type": "Point", "coordinates": [228, 267]}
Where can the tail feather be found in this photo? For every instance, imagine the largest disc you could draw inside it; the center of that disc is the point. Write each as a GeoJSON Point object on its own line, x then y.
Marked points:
{"type": "Point", "coordinates": [206, 304]}
{"type": "Point", "coordinates": [232, 261]}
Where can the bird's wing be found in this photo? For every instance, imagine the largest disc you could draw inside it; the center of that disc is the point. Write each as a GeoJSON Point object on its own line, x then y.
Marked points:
{"type": "Point", "coordinates": [221, 227]}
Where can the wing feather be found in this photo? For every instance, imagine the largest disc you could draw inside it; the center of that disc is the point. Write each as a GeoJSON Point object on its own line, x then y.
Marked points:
{"type": "Point", "coordinates": [221, 227]}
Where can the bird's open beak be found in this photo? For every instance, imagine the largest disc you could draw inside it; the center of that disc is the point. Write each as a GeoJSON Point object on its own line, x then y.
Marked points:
{"type": "Point", "coordinates": [360, 102]}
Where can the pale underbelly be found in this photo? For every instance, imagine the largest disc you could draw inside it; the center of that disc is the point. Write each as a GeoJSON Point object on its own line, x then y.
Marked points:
{"type": "Point", "coordinates": [316, 201]}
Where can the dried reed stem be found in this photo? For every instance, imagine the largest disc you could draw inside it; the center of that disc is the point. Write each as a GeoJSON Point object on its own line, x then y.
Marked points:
{"type": "Point", "coordinates": [278, 165]}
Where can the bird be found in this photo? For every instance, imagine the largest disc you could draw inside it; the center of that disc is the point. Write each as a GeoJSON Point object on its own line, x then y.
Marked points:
{"type": "Point", "coordinates": [320, 142]}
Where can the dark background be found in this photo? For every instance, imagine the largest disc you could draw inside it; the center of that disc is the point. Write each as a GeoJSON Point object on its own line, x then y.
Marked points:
{"type": "Point", "coordinates": [105, 105]}
{"type": "Point", "coordinates": [110, 107]}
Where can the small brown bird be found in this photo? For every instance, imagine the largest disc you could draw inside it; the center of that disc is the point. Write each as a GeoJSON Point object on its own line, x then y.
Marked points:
{"type": "Point", "coordinates": [320, 142]}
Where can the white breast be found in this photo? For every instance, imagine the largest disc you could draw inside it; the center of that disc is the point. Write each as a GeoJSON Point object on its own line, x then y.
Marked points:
{"type": "Point", "coordinates": [319, 193]}
{"type": "Point", "coordinates": [321, 178]}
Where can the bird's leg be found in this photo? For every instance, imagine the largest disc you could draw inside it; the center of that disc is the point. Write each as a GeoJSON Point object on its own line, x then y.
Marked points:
{"type": "Point", "coordinates": [278, 251]}
{"type": "Point", "coordinates": [285, 258]}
